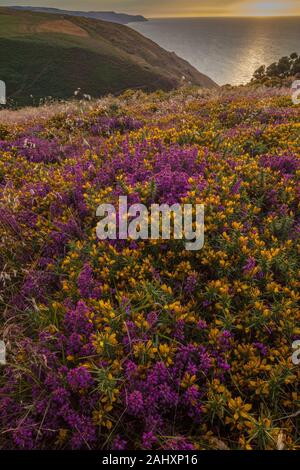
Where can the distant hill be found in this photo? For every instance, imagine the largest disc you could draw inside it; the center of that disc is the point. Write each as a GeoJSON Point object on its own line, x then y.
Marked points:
{"type": "Point", "coordinates": [121, 18]}
{"type": "Point", "coordinates": [53, 55]}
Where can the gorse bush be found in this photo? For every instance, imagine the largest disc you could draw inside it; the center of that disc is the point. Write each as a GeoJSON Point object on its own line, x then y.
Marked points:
{"type": "Point", "coordinates": [274, 74]}
{"type": "Point", "coordinates": [142, 344]}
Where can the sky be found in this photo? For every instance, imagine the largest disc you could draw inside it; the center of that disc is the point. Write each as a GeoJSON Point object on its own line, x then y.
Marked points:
{"type": "Point", "coordinates": [175, 8]}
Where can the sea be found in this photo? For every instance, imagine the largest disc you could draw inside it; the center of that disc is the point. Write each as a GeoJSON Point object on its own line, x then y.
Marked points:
{"type": "Point", "coordinates": [228, 50]}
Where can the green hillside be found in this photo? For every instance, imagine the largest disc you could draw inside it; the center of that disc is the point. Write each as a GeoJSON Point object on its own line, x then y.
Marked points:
{"type": "Point", "coordinates": [53, 55]}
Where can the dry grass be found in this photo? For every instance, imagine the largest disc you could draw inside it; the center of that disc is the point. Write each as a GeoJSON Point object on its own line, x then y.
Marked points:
{"type": "Point", "coordinates": [62, 26]}
{"type": "Point", "coordinates": [46, 111]}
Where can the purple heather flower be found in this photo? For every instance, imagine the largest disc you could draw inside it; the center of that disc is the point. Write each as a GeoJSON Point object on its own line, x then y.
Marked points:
{"type": "Point", "coordinates": [261, 348]}
{"type": "Point", "coordinates": [130, 368]}
{"type": "Point", "coordinates": [135, 403]}
{"type": "Point", "coordinates": [118, 444]}
{"type": "Point", "coordinates": [179, 330]}
{"type": "Point", "coordinates": [152, 318]}
{"type": "Point", "coordinates": [85, 281]}
{"type": "Point", "coordinates": [250, 265]}
{"type": "Point", "coordinates": [236, 187]}
{"type": "Point", "coordinates": [79, 379]}
{"type": "Point", "coordinates": [225, 340]}
{"type": "Point", "coordinates": [202, 325]}
{"type": "Point", "coordinates": [23, 437]}
{"type": "Point", "coordinates": [148, 439]}
{"type": "Point", "coordinates": [191, 283]}
{"type": "Point", "coordinates": [286, 164]}
{"type": "Point", "coordinates": [178, 443]}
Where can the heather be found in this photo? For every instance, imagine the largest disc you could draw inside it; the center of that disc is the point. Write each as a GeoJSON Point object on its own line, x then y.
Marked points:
{"type": "Point", "coordinates": [143, 344]}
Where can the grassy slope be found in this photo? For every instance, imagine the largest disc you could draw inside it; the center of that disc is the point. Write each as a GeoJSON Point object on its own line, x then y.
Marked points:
{"type": "Point", "coordinates": [99, 57]}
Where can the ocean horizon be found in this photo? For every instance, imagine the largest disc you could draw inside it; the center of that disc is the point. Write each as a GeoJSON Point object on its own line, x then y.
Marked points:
{"type": "Point", "coordinates": [228, 49]}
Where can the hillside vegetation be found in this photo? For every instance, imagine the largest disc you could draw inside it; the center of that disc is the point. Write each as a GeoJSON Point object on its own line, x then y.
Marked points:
{"type": "Point", "coordinates": [142, 344]}
{"type": "Point", "coordinates": [281, 73]}
{"type": "Point", "coordinates": [53, 55]}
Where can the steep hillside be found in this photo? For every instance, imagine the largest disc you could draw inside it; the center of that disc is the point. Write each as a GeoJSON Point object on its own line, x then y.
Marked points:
{"type": "Point", "coordinates": [53, 55]}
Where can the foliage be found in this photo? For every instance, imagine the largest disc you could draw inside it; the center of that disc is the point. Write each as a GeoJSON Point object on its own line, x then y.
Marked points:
{"type": "Point", "coordinates": [144, 345]}
{"type": "Point", "coordinates": [278, 73]}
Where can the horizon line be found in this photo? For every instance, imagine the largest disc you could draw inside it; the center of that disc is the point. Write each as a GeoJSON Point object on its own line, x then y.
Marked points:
{"type": "Point", "coordinates": [224, 16]}
{"type": "Point", "coordinates": [157, 16]}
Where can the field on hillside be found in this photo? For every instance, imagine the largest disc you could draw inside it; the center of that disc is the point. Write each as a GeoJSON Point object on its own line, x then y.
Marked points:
{"type": "Point", "coordinates": [142, 344]}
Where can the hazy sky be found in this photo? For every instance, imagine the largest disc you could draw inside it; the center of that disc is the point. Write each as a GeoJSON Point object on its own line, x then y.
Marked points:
{"type": "Point", "coordinates": [170, 8]}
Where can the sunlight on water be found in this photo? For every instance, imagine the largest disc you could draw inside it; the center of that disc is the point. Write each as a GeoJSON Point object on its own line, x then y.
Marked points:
{"type": "Point", "coordinates": [228, 50]}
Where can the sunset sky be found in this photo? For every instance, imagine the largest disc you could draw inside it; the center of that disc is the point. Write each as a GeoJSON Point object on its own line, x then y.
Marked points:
{"type": "Point", "coordinates": [170, 8]}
